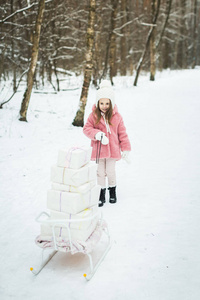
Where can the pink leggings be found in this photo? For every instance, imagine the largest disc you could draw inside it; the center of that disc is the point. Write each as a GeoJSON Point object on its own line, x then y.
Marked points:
{"type": "Point", "coordinates": [106, 168]}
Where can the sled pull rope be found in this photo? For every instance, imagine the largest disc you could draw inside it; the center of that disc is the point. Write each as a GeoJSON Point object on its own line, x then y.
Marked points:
{"type": "Point", "coordinates": [98, 149]}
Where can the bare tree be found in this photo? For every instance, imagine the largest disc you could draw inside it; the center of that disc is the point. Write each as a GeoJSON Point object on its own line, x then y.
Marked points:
{"type": "Point", "coordinates": [152, 44]}
{"type": "Point", "coordinates": [123, 50]}
{"type": "Point", "coordinates": [141, 60]}
{"type": "Point", "coordinates": [195, 33]}
{"type": "Point", "coordinates": [34, 56]}
{"type": "Point", "coordinates": [169, 5]}
{"type": "Point", "coordinates": [182, 48]}
{"type": "Point", "coordinates": [97, 57]}
{"type": "Point", "coordinates": [113, 46]}
{"type": "Point", "coordinates": [79, 118]}
{"type": "Point", "coordinates": [14, 92]}
{"type": "Point", "coordinates": [110, 55]}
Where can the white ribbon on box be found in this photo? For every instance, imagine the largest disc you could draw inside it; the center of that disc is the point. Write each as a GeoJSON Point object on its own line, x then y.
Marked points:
{"type": "Point", "coordinates": [74, 158]}
{"type": "Point", "coordinates": [84, 188]}
{"type": "Point", "coordinates": [72, 203]}
{"type": "Point", "coordinates": [62, 232]}
{"type": "Point", "coordinates": [74, 177]}
{"type": "Point", "coordinates": [86, 213]}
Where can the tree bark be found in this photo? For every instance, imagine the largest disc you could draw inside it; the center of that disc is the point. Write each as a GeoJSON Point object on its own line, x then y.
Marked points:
{"type": "Point", "coordinates": [112, 60]}
{"type": "Point", "coordinates": [152, 45]}
{"type": "Point", "coordinates": [34, 57]}
{"type": "Point", "coordinates": [2, 58]}
{"type": "Point", "coordinates": [169, 5]}
{"type": "Point", "coordinates": [195, 30]}
{"type": "Point", "coordinates": [111, 45]}
{"type": "Point", "coordinates": [182, 49]}
{"type": "Point", "coordinates": [97, 57]}
{"type": "Point", "coordinates": [79, 118]}
{"type": "Point", "coordinates": [152, 57]}
{"type": "Point", "coordinates": [13, 51]}
{"type": "Point", "coordinates": [141, 60]}
{"type": "Point", "coordinates": [165, 54]}
{"type": "Point", "coordinates": [123, 40]}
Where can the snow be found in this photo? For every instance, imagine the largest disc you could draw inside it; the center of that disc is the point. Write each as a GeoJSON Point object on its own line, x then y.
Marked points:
{"type": "Point", "coordinates": [155, 223]}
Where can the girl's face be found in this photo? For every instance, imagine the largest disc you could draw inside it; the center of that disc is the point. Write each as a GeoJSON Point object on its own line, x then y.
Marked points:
{"type": "Point", "coordinates": [104, 104]}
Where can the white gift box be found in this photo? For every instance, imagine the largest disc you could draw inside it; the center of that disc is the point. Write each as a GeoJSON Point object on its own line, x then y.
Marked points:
{"type": "Point", "coordinates": [86, 213]}
{"type": "Point", "coordinates": [72, 176]}
{"type": "Point", "coordinates": [72, 203]}
{"type": "Point", "coordinates": [74, 158]}
{"type": "Point", "coordinates": [62, 232]}
{"type": "Point", "coordinates": [84, 188]}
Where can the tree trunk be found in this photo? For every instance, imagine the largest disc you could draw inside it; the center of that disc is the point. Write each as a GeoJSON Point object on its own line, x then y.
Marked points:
{"type": "Point", "coordinates": [165, 53]}
{"type": "Point", "coordinates": [141, 60]}
{"type": "Point", "coordinates": [123, 40]}
{"type": "Point", "coordinates": [2, 58]}
{"type": "Point", "coordinates": [79, 118]}
{"type": "Point", "coordinates": [112, 60]}
{"type": "Point", "coordinates": [152, 45]}
{"type": "Point", "coordinates": [106, 57]}
{"type": "Point", "coordinates": [34, 56]}
{"type": "Point", "coordinates": [182, 49]}
{"type": "Point", "coordinates": [129, 59]}
{"type": "Point", "coordinates": [111, 45]}
{"type": "Point", "coordinates": [165, 56]}
{"type": "Point", "coordinates": [13, 51]}
{"type": "Point", "coordinates": [152, 57]}
{"type": "Point", "coordinates": [195, 30]}
{"type": "Point", "coordinates": [169, 5]}
{"type": "Point", "coordinates": [56, 74]}
{"type": "Point", "coordinates": [97, 57]}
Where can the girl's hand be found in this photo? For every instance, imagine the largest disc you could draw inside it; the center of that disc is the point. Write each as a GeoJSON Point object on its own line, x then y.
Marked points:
{"type": "Point", "coordinates": [125, 156]}
{"type": "Point", "coordinates": [100, 136]}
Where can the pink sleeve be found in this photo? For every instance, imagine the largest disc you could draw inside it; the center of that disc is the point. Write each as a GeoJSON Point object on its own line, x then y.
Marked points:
{"type": "Point", "coordinates": [123, 137]}
{"type": "Point", "coordinates": [89, 130]}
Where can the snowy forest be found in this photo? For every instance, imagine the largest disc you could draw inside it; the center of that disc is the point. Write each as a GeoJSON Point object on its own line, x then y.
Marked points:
{"type": "Point", "coordinates": [43, 41]}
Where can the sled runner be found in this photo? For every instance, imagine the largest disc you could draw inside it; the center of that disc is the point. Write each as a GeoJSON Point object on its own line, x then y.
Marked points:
{"type": "Point", "coordinates": [68, 243]}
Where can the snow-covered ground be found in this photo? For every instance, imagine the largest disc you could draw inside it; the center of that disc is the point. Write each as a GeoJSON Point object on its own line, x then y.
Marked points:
{"type": "Point", "coordinates": [155, 223]}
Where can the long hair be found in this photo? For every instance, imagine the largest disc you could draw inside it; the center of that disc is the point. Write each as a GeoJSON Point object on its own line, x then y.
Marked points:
{"type": "Point", "coordinates": [108, 114]}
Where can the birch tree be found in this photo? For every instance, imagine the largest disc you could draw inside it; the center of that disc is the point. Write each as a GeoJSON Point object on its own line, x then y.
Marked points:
{"type": "Point", "coordinates": [33, 63]}
{"type": "Point", "coordinates": [79, 118]}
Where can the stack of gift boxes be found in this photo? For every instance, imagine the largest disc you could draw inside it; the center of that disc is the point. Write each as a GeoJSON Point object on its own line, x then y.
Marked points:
{"type": "Point", "coordinates": [74, 194]}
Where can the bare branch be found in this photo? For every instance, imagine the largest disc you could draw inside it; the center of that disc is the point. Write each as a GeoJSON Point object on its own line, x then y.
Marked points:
{"type": "Point", "coordinates": [1, 105]}
{"type": "Point", "coordinates": [21, 10]}
{"type": "Point", "coordinates": [18, 11]}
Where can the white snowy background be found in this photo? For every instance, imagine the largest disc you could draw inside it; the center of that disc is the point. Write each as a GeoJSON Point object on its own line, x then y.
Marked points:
{"type": "Point", "coordinates": [155, 223]}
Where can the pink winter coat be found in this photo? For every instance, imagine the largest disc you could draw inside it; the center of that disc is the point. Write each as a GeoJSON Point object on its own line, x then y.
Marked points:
{"type": "Point", "coordinates": [118, 138]}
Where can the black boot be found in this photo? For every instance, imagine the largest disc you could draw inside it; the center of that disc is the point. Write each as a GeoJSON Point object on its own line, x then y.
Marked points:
{"type": "Point", "coordinates": [113, 197]}
{"type": "Point", "coordinates": [102, 197]}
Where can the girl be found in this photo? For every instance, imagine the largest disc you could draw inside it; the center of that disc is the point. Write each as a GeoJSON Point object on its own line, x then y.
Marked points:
{"type": "Point", "coordinates": [105, 124]}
